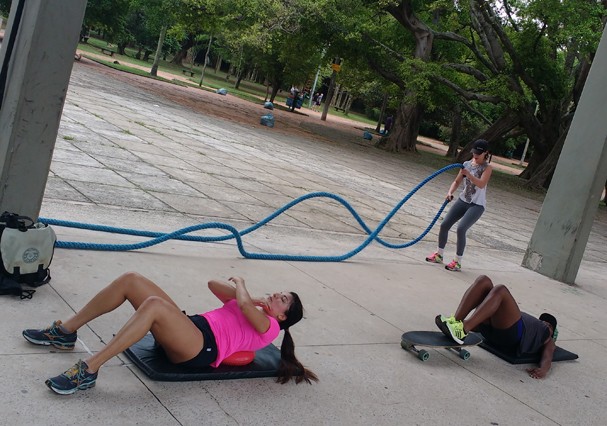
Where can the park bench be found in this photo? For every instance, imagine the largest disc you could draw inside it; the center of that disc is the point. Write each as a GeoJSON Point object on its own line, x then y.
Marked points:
{"type": "Point", "coordinates": [188, 72]}
{"type": "Point", "coordinates": [107, 51]}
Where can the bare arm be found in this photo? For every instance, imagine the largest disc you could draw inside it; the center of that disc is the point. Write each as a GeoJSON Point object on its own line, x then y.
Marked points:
{"type": "Point", "coordinates": [223, 291]}
{"type": "Point", "coordinates": [248, 306]}
{"type": "Point", "coordinates": [545, 362]}
{"type": "Point", "coordinates": [479, 182]}
{"type": "Point", "coordinates": [455, 184]}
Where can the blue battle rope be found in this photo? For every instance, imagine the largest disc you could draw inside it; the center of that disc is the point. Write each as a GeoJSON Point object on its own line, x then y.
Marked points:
{"type": "Point", "coordinates": [180, 234]}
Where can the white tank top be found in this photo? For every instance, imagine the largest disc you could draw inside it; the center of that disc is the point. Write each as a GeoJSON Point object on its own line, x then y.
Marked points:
{"type": "Point", "coordinates": [472, 193]}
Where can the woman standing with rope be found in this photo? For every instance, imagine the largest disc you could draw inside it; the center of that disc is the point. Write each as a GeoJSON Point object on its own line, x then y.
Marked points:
{"type": "Point", "coordinates": [470, 205]}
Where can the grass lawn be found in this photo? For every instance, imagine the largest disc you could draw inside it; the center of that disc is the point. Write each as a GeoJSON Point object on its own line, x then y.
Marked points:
{"type": "Point", "coordinates": [247, 90]}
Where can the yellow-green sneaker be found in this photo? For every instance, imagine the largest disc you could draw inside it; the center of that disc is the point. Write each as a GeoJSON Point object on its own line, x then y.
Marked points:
{"type": "Point", "coordinates": [456, 330]}
{"type": "Point", "coordinates": [441, 322]}
{"type": "Point", "coordinates": [447, 319]}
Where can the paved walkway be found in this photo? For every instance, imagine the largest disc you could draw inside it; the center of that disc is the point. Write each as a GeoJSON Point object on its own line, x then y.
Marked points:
{"type": "Point", "coordinates": [127, 157]}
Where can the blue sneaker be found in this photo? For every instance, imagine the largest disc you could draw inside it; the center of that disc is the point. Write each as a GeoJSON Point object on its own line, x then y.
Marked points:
{"type": "Point", "coordinates": [52, 335]}
{"type": "Point", "coordinates": [76, 378]}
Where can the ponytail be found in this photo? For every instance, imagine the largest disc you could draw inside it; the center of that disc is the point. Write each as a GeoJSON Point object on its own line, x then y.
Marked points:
{"type": "Point", "coordinates": [290, 367]}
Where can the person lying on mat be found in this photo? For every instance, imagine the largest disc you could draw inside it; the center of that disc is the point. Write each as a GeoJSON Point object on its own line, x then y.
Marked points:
{"type": "Point", "coordinates": [498, 318]}
{"type": "Point", "coordinates": [241, 324]}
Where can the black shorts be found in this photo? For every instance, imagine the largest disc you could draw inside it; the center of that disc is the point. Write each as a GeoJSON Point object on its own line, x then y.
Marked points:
{"type": "Point", "coordinates": [208, 354]}
{"type": "Point", "coordinates": [508, 338]}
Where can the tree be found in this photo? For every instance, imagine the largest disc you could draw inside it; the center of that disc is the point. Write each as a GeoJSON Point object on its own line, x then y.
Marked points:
{"type": "Point", "coordinates": [109, 16]}
{"type": "Point", "coordinates": [511, 55]}
{"type": "Point", "coordinates": [539, 53]}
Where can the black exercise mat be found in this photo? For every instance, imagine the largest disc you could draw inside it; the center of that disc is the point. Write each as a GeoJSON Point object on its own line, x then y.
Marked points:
{"type": "Point", "coordinates": [152, 360]}
{"type": "Point", "coordinates": [560, 354]}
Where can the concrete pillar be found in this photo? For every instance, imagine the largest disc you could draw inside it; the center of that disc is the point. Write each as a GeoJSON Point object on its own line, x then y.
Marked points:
{"type": "Point", "coordinates": [561, 232]}
{"type": "Point", "coordinates": [36, 73]}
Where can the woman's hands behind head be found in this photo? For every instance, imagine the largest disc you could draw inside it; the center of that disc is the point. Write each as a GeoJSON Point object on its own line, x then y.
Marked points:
{"type": "Point", "coordinates": [237, 280]}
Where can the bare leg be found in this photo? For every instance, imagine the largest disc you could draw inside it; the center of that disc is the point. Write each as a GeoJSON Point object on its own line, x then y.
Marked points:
{"type": "Point", "coordinates": [174, 331]}
{"type": "Point", "coordinates": [492, 304]}
{"type": "Point", "coordinates": [130, 286]}
{"type": "Point", "coordinates": [474, 296]}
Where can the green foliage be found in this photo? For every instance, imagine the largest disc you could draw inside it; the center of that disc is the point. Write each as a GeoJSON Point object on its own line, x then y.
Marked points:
{"type": "Point", "coordinates": [109, 16]}
{"type": "Point", "coordinates": [5, 7]}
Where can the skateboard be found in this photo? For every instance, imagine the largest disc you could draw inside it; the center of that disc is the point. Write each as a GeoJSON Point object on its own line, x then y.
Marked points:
{"type": "Point", "coordinates": [436, 339]}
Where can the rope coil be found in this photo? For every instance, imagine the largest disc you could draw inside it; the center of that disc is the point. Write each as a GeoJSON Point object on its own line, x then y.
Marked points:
{"type": "Point", "coordinates": [181, 234]}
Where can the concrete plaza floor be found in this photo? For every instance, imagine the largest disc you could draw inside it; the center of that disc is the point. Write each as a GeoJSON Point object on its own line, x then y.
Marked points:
{"type": "Point", "coordinates": [125, 157]}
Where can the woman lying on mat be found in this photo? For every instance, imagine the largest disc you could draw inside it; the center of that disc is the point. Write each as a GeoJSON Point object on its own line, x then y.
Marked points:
{"type": "Point", "coordinates": [497, 317]}
{"type": "Point", "coordinates": [241, 324]}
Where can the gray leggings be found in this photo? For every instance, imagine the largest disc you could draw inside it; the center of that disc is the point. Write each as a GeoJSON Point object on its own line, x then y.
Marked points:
{"type": "Point", "coordinates": [469, 214]}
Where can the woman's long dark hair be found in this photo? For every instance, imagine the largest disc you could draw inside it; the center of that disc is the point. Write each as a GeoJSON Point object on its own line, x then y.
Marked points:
{"type": "Point", "coordinates": [290, 367]}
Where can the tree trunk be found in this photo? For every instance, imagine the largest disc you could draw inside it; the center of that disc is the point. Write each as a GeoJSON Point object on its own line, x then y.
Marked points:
{"type": "Point", "coordinates": [348, 104]}
{"type": "Point", "coordinates": [183, 50]}
{"type": "Point", "coordinates": [456, 131]}
{"type": "Point", "coordinates": [543, 174]}
{"type": "Point", "coordinates": [218, 64]}
{"type": "Point", "coordinates": [206, 60]}
{"type": "Point", "coordinates": [409, 114]}
{"type": "Point", "coordinates": [163, 33]}
{"type": "Point", "coordinates": [542, 164]}
{"type": "Point", "coordinates": [403, 135]}
{"type": "Point", "coordinates": [238, 80]}
{"type": "Point", "coordinates": [382, 112]}
{"type": "Point", "coordinates": [267, 84]}
{"type": "Point", "coordinates": [503, 125]}
{"type": "Point", "coordinates": [330, 93]}
{"type": "Point", "coordinates": [276, 84]}
{"type": "Point", "coordinates": [338, 98]}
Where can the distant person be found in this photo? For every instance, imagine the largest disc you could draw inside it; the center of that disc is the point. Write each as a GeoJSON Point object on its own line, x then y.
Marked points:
{"type": "Point", "coordinates": [318, 101]}
{"type": "Point", "coordinates": [194, 341]}
{"type": "Point", "coordinates": [295, 97]}
{"type": "Point", "coordinates": [313, 104]}
{"type": "Point", "coordinates": [470, 205]}
{"type": "Point", "coordinates": [498, 318]}
{"type": "Point", "coordinates": [388, 124]}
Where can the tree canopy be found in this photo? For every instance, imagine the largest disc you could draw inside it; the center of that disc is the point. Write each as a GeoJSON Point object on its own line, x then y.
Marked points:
{"type": "Point", "coordinates": [505, 71]}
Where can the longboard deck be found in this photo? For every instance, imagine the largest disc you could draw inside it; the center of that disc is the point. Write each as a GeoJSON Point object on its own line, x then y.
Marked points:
{"type": "Point", "coordinates": [436, 339]}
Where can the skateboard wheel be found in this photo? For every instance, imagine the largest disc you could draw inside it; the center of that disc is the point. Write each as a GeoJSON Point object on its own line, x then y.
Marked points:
{"type": "Point", "coordinates": [423, 355]}
{"type": "Point", "coordinates": [405, 346]}
{"type": "Point", "coordinates": [464, 354]}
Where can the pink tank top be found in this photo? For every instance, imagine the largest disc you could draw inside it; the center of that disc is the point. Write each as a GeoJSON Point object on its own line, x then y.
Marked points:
{"type": "Point", "coordinates": [234, 333]}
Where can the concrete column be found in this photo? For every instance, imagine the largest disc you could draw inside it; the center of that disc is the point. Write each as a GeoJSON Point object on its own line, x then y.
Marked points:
{"type": "Point", "coordinates": [37, 71]}
{"type": "Point", "coordinates": [561, 232]}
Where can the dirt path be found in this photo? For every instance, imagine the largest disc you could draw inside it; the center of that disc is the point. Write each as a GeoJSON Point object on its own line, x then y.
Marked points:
{"type": "Point", "coordinates": [305, 122]}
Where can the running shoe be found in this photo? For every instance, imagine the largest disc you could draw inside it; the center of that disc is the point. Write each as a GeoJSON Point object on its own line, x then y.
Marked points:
{"type": "Point", "coordinates": [51, 336]}
{"type": "Point", "coordinates": [76, 378]}
{"type": "Point", "coordinates": [434, 258]}
{"type": "Point", "coordinates": [454, 266]}
{"type": "Point", "coordinates": [441, 323]}
{"type": "Point", "coordinates": [456, 331]}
